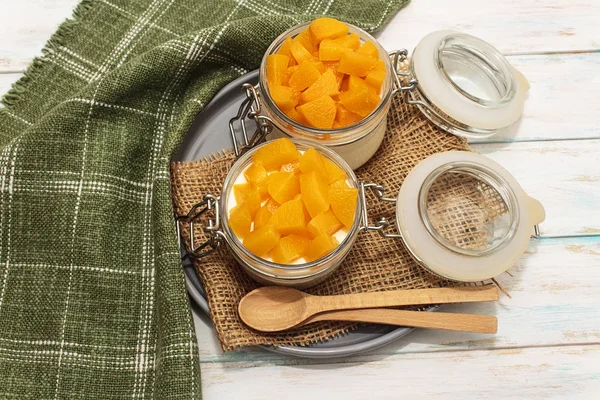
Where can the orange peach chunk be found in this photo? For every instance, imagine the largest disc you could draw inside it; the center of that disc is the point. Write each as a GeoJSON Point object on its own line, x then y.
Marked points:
{"type": "Point", "coordinates": [283, 186]}
{"type": "Point", "coordinates": [289, 218]}
{"type": "Point", "coordinates": [326, 85]}
{"type": "Point", "coordinates": [351, 41]}
{"type": "Point", "coordinates": [327, 28]}
{"type": "Point", "coordinates": [291, 167]}
{"type": "Point", "coordinates": [319, 113]}
{"type": "Point", "coordinates": [376, 76]}
{"type": "Point", "coordinates": [261, 241]}
{"type": "Point", "coordinates": [345, 117]}
{"type": "Point", "coordinates": [284, 50]}
{"type": "Point", "coordinates": [320, 247]}
{"type": "Point", "coordinates": [289, 248]}
{"type": "Point", "coordinates": [359, 100]}
{"type": "Point", "coordinates": [276, 67]}
{"type": "Point", "coordinates": [299, 52]}
{"type": "Point", "coordinates": [240, 220]}
{"type": "Point", "coordinates": [305, 75]}
{"type": "Point", "coordinates": [296, 116]}
{"type": "Point", "coordinates": [276, 153]}
{"type": "Point", "coordinates": [343, 203]}
{"type": "Point", "coordinates": [332, 171]}
{"type": "Point", "coordinates": [305, 38]}
{"type": "Point", "coordinates": [331, 50]}
{"type": "Point", "coordinates": [314, 189]}
{"type": "Point", "coordinates": [368, 49]}
{"type": "Point", "coordinates": [326, 222]}
{"type": "Point", "coordinates": [283, 96]}
{"type": "Point", "coordinates": [310, 161]}
{"type": "Point", "coordinates": [262, 217]}
{"type": "Point", "coordinates": [356, 64]}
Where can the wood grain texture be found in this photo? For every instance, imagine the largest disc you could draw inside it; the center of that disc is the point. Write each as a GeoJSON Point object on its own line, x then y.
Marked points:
{"type": "Point", "coordinates": [542, 373]}
{"type": "Point", "coordinates": [529, 26]}
{"type": "Point", "coordinates": [419, 319]}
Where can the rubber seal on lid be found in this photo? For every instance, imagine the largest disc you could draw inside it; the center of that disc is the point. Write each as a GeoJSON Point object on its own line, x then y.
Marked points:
{"type": "Point", "coordinates": [444, 259]}
{"type": "Point", "coordinates": [469, 80]}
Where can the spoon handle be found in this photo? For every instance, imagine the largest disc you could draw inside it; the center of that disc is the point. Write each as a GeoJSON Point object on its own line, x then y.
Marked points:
{"type": "Point", "coordinates": [403, 298]}
{"type": "Point", "coordinates": [417, 319]}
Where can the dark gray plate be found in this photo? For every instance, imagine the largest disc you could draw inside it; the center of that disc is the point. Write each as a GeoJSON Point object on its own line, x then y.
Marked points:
{"type": "Point", "coordinates": [210, 133]}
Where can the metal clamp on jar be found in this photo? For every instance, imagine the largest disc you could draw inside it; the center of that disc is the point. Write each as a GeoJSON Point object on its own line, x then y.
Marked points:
{"type": "Point", "coordinates": [476, 233]}
{"type": "Point", "coordinates": [461, 83]}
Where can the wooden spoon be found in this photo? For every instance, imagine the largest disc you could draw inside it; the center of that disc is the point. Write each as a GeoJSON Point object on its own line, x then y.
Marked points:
{"type": "Point", "coordinates": [277, 308]}
{"type": "Point", "coordinates": [417, 319]}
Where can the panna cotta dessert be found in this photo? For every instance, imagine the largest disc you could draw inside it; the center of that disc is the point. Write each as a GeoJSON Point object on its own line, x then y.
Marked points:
{"type": "Point", "coordinates": [291, 206]}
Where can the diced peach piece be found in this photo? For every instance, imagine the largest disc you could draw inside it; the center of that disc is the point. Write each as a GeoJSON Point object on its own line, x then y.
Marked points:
{"type": "Point", "coordinates": [326, 85]}
{"type": "Point", "coordinates": [245, 193]}
{"type": "Point", "coordinates": [304, 76]}
{"type": "Point", "coordinates": [320, 247]}
{"type": "Point", "coordinates": [343, 203]}
{"type": "Point", "coordinates": [331, 50]}
{"type": "Point", "coordinates": [368, 49]}
{"type": "Point", "coordinates": [356, 64]}
{"type": "Point", "coordinates": [272, 205]}
{"type": "Point", "coordinates": [289, 218]}
{"type": "Point", "coordinates": [326, 222]}
{"type": "Point", "coordinates": [345, 117]}
{"type": "Point", "coordinates": [283, 96]}
{"type": "Point", "coordinates": [359, 101]}
{"type": "Point", "coordinates": [296, 116]}
{"type": "Point", "coordinates": [312, 160]}
{"type": "Point", "coordinates": [314, 189]}
{"type": "Point", "coordinates": [299, 242]}
{"type": "Point", "coordinates": [320, 66]}
{"type": "Point", "coordinates": [288, 249]}
{"type": "Point", "coordinates": [291, 167]}
{"type": "Point", "coordinates": [262, 217]}
{"type": "Point", "coordinates": [376, 76]}
{"type": "Point", "coordinates": [283, 186]}
{"type": "Point", "coordinates": [333, 172]}
{"type": "Point", "coordinates": [256, 173]}
{"type": "Point", "coordinates": [300, 53]}
{"type": "Point", "coordinates": [319, 113]}
{"type": "Point", "coordinates": [240, 220]}
{"type": "Point", "coordinates": [276, 66]}
{"type": "Point", "coordinates": [263, 189]}
{"type": "Point", "coordinates": [340, 183]}
{"type": "Point", "coordinates": [284, 49]}
{"type": "Point", "coordinates": [276, 153]}
{"type": "Point", "coordinates": [327, 28]}
{"type": "Point", "coordinates": [288, 74]}
{"type": "Point", "coordinates": [260, 241]}
{"type": "Point", "coordinates": [307, 216]}
{"type": "Point", "coordinates": [305, 38]}
{"type": "Point", "coordinates": [351, 41]}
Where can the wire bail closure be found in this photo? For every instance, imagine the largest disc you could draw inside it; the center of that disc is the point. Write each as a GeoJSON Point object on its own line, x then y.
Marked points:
{"type": "Point", "coordinates": [382, 224]}
{"type": "Point", "coordinates": [208, 203]}
{"type": "Point", "coordinates": [250, 108]}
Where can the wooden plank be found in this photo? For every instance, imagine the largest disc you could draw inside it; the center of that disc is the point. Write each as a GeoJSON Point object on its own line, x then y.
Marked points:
{"type": "Point", "coordinates": [511, 26]}
{"type": "Point", "coordinates": [25, 26]}
{"type": "Point", "coordinates": [555, 291]}
{"type": "Point", "coordinates": [563, 175]}
{"type": "Point", "coordinates": [541, 373]}
{"type": "Point", "coordinates": [562, 101]}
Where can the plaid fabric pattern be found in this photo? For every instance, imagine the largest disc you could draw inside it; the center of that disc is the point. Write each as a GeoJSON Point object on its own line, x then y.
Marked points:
{"type": "Point", "coordinates": [92, 295]}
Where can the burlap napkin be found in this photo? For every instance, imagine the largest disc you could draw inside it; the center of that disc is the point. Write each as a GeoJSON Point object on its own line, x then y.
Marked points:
{"type": "Point", "coordinates": [375, 263]}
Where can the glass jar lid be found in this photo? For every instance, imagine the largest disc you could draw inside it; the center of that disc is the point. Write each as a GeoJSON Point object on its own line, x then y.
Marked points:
{"type": "Point", "coordinates": [464, 217]}
{"type": "Point", "coordinates": [467, 83]}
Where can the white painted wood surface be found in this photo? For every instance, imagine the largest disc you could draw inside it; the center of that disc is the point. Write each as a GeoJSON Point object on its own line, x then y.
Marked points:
{"type": "Point", "coordinates": [548, 343]}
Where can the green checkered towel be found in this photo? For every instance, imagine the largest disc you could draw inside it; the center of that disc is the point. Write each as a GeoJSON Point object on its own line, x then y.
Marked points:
{"type": "Point", "coordinates": [92, 295]}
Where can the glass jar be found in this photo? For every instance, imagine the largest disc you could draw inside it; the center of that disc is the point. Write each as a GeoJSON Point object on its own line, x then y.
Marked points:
{"type": "Point", "coordinates": [477, 235]}
{"type": "Point", "coordinates": [459, 82]}
{"type": "Point", "coordinates": [262, 270]}
{"type": "Point", "coordinates": [356, 143]}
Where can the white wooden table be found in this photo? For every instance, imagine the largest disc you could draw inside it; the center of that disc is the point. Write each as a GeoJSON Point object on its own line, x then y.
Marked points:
{"type": "Point", "coordinates": [548, 343]}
